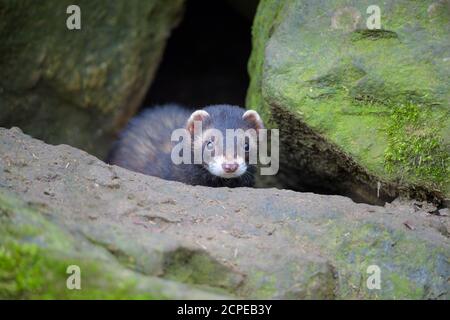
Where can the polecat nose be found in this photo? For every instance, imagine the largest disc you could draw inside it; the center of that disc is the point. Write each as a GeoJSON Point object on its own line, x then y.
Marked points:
{"type": "Point", "coordinates": [230, 167]}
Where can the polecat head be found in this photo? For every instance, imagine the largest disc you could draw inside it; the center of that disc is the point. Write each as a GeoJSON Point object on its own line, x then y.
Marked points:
{"type": "Point", "coordinates": [225, 153]}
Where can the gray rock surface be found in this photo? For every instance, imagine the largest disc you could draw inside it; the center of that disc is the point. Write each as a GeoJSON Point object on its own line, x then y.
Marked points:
{"type": "Point", "coordinates": [139, 236]}
{"type": "Point", "coordinates": [79, 86]}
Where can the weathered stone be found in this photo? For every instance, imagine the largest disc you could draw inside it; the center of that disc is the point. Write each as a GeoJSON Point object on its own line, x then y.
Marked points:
{"type": "Point", "coordinates": [137, 236]}
{"type": "Point", "coordinates": [79, 86]}
{"type": "Point", "coordinates": [364, 113]}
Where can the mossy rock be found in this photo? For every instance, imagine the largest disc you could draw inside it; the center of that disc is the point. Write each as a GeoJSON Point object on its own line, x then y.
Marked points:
{"type": "Point", "coordinates": [137, 236]}
{"type": "Point", "coordinates": [35, 254]}
{"type": "Point", "coordinates": [361, 112]}
{"type": "Point", "coordinates": [79, 87]}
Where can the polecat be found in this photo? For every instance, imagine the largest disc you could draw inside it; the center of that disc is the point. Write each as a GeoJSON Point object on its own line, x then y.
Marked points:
{"type": "Point", "coordinates": [145, 145]}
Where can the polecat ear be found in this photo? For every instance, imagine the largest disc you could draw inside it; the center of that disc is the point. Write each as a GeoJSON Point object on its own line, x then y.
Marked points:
{"type": "Point", "coordinates": [253, 118]}
{"type": "Point", "coordinates": [198, 115]}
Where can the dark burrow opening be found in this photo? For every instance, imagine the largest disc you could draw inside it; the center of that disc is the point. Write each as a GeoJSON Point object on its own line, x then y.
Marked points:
{"type": "Point", "coordinates": [205, 61]}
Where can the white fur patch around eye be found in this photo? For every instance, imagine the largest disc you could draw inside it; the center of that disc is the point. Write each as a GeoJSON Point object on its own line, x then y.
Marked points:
{"type": "Point", "coordinates": [215, 167]}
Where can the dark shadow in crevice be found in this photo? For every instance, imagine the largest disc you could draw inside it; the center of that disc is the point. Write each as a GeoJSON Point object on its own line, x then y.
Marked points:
{"type": "Point", "coordinates": [205, 61]}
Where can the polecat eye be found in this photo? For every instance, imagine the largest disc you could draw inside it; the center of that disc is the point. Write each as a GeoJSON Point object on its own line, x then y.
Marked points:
{"type": "Point", "coordinates": [246, 147]}
{"type": "Point", "coordinates": [210, 145]}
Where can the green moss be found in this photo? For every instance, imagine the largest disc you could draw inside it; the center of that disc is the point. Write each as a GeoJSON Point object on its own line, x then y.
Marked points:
{"type": "Point", "coordinates": [415, 148]}
{"type": "Point", "coordinates": [321, 282]}
{"type": "Point", "coordinates": [28, 272]}
{"type": "Point", "coordinates": [198, 268]}
{"type": "Point", "coordinates": [21, 222]}
{"type": "Point", "coordinates": [406, 264]}
{"type": "Point", "coordinates": [260, 285]}
{"type": "Point", "coordinates": [405, 288]}
{"type": "Point", "coordinates": [373, 34]}
{"type": "Point", "coordinates": [35, 254]}
{"type": "Point", "coordinates": [263, 26]}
